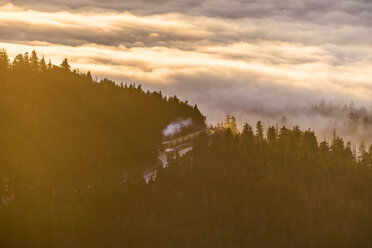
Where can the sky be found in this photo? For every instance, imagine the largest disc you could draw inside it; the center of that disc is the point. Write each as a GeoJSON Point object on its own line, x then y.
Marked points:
{"type": "Point", "coordinates": [250, 58]}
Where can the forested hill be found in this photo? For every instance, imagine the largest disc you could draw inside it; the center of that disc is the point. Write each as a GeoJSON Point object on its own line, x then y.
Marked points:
{"type": "Point", "coordinates": [274, 188]}
{"type": "Point", "coordinates": [71, 149]}
{"type": "Point", "coordinates": [55, 121]}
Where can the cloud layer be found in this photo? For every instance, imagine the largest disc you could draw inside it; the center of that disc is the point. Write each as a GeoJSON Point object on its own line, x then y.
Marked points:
{"type": "Point", "coordinates": [255, 59]}
{"type": "Point", "coordinates": [321, 11]}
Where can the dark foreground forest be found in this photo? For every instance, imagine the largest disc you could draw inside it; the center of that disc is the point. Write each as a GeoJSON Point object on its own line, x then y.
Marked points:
{"type": "Point", "coordinates": [73, 150]}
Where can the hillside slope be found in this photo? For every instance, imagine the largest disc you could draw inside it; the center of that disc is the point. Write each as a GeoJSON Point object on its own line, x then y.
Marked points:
{"type": "Point", "coordinates": [57, 122]}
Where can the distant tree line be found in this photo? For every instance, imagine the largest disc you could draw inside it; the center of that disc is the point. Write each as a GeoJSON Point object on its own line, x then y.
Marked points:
{"type": "Point", "coordinates": [273, 188]}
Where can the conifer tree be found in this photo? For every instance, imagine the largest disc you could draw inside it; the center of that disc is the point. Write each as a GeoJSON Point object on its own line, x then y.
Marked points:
{"type": "Point", "coordinates": [42, 65]}
{"type": "Point", "coordinates": [4, 60]}
{"type": "Point", "coordinates": [271, 136]}
{"type": "Point", "coordinates": [362, 153]}
{"type": "Point", "coordinates": [65, 65]}
{"type": "Point", "coordinates": [34, 61]}
{"type": "Point", "coordinates": [247, 131]}
{"type": "Point", "coordinates": [90, 78]}
{"type": "Point", "coordinates": [259, 130]}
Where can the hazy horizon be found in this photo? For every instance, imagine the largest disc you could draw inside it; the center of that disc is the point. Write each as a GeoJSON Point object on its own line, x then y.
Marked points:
{"type": "Point", "coordinates": [250, 59]}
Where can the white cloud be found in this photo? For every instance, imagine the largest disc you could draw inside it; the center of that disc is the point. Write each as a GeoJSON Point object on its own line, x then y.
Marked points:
{"type": "Point", "coordinates": [255, 57]}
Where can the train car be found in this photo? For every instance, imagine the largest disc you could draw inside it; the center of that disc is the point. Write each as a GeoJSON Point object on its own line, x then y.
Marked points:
{"type": "Point", "coordinates": [180, 140]}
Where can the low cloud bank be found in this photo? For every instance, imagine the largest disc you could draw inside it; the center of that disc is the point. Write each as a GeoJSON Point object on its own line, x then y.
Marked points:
{"type": "Point", "coordinates": [257, 60]}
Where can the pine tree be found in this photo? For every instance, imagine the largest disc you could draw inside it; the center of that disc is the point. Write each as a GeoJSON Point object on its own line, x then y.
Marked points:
{"type": "Point", "coordinates": [233, 125]}
{"type": "Point", "coordinates": [230, 123]}
{"type": "Point", "coordinates": [26, 59]}
{"type": "Point", "coordinates": [18, 62]}
{"type": "Point", "coordinates": [227, 121]}
{"type": "Point", "coordinates": [90, 78]}
{"type": "Point", "coordinates": [271, 136]}
{"type": "Point", "coordinates": [34, 61]}
{"type": "Point", "coordinates": [42, 65]}
{"type": "Point", "coordinates": [324, 148]}
{"type": "Point", "coordinates": [247, 131]}
{"type": "Point", "coordinates": [369, 156]}
{"type": "Point", "coordinates": [65, 65]}
{"type": "Point", "coordinates": [362, 154]}
{"type": "Point", "coordinates": [259, 130]}
{"type": "Point", "coordinates": [4, 60]}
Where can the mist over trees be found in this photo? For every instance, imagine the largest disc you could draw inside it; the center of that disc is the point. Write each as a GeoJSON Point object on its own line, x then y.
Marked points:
{"type": "Point", "coordinates": [351, 121]}
{"type": "Point", "coordinates": [272, 188]}
{"type": "Point", "coordinates": [72, 153]}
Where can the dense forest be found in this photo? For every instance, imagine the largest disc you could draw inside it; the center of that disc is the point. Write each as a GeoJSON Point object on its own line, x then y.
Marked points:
{"type": "Point", "coordinates": [72, 150]}
{"type": "Point", "coordinates": [61, 130]}
{"type": "Point", "coordinates": [55, 120]}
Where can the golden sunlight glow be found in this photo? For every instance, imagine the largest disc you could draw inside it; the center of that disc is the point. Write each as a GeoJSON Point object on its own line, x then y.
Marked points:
{"type": "Point", "coordinates": [156, 49]}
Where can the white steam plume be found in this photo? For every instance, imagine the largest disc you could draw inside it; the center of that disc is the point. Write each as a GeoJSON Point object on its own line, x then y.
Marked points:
{"type": "Point", "coordinates": [176, 127]}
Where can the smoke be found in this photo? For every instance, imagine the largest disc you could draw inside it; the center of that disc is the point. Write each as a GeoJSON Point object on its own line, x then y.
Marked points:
{"type": "Point", "coordinates": [176, 127]}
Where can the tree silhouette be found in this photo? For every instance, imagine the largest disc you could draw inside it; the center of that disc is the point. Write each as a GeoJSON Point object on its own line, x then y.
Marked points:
{"type": "Point", "coordinates": [65, 65]}
{"type": "Point", "coordinates": [259, 130]}
{"type": "Point", "coordinates": [4, 60]}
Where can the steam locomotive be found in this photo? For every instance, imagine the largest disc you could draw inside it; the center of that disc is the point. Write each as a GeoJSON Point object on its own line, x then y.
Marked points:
{"type": "Point", "coordinates": [184, 139]}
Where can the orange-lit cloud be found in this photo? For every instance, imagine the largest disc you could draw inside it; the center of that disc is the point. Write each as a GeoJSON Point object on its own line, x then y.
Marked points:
{"type": "Point", "coordinates": [232, 64]}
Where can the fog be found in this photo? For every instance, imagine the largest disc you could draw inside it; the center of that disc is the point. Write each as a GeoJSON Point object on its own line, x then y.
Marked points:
{"type": "Point", "coordinates": [252, 59]}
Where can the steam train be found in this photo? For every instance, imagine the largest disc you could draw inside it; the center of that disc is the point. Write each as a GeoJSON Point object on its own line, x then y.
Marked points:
{"type": "Point", "coordinates": [184, 139]}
